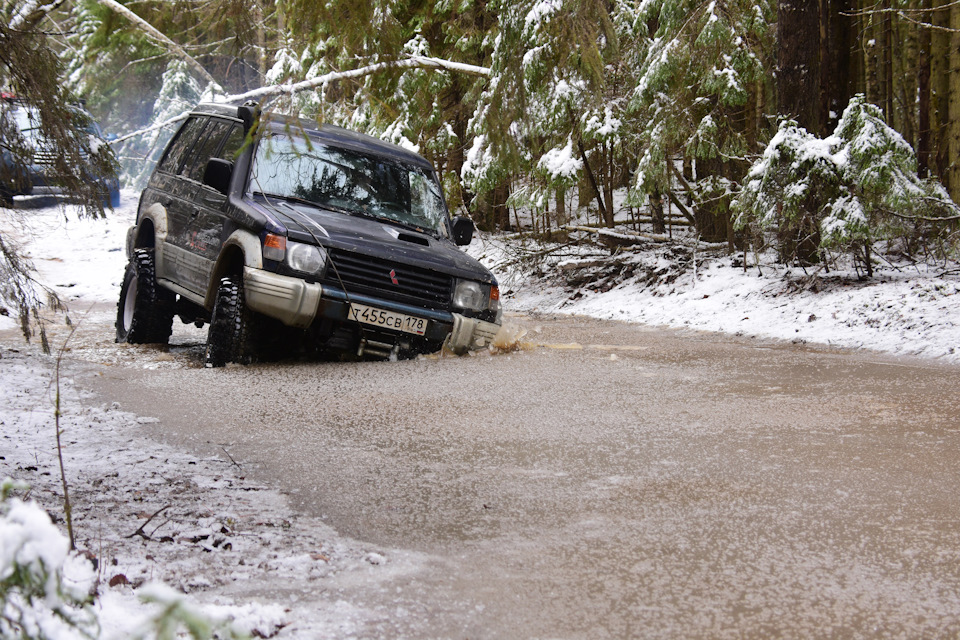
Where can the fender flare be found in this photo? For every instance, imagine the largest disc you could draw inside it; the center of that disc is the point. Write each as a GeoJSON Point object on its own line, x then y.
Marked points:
{"type": "Point", "coordinates": [248, 246]}
{"type": "Point", "coordinates": [156, 214]}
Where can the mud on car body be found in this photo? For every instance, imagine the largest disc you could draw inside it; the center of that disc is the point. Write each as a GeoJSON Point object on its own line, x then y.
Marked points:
{"type": "Point", "coordinates": [275, 231]}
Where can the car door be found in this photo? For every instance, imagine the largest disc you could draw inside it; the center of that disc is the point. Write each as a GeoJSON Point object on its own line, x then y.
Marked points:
{"type": "Point", "coordinates": [170, 190]}
{"type": "Point", "coordinates": [191, 242]}
{"type": "Point", "coordinates": [204, 230]}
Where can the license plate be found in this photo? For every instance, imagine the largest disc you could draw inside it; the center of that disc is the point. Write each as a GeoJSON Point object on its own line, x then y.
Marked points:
{"type": "Point", "coordinates": [388, 319]}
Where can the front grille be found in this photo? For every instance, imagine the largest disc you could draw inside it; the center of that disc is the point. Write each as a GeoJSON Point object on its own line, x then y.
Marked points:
{"type": "Point", "coordinates": [44, 157]}
{"type": "Point", "coordinates": [372, 276]}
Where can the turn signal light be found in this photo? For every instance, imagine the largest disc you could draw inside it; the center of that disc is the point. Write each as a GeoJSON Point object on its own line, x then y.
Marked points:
{"type": "Point", "coordinates": [274, 247]}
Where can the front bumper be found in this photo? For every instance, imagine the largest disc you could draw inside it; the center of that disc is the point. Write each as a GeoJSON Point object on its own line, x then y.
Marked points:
{"type": "Point", "coordinates": [299, 304]}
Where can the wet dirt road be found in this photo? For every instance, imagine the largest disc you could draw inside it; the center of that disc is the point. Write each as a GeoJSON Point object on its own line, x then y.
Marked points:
{"type": "Point", "coordinates": [614, 482]}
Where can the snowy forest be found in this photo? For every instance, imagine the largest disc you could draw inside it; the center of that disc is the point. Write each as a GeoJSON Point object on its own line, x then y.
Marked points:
{"type": "Point", "coordinates": [826, 126]}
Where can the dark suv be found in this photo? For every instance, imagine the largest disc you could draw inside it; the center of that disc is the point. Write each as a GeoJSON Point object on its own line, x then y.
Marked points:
{"type": "Point", "coordinates": [277, 231]}
{"type": "Point", "coordinates": [28, 165]}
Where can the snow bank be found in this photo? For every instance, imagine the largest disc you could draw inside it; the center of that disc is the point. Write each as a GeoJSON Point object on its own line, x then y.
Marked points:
{"type": "Point", "coordinates": [903, 310]}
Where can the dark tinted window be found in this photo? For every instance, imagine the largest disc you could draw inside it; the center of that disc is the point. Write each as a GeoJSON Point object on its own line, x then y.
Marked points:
{"type": "Point", "coordinates": [231, 148]}
{"type": "Point", "coordinates": [180, 146]}
{"type": "Point", "coordinates": [207, 148]}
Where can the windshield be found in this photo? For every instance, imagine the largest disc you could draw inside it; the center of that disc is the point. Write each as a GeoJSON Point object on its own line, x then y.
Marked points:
{"type": "Point", "coordinates": [28, 122]}
{"type": "Point", "coordinates": [339, 179]}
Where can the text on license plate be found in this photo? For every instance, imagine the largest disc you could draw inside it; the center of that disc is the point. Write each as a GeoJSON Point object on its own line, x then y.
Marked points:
{"type": "Point", "coordinates": [388, 319]}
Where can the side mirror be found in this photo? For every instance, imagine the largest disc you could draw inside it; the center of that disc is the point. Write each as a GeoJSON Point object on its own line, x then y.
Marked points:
{"type": "Point", "coordinates": [462, 231]}
{"type": "Point", "coordinates": [217, 174]}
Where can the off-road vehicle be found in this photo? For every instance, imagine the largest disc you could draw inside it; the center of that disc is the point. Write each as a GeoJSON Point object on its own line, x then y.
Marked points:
{"type": "Point", "coordinates": [278, 231]}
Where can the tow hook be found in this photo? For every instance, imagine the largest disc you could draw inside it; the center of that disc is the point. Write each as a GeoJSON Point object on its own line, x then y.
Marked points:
{"type": "Point", "coordinates": [379, 349]}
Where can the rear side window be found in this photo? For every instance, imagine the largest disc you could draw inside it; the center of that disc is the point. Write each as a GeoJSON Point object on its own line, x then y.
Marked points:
{"type": "Point", "coordinates": [207, 148]}
{"type": "Point", "coordinates": [181, 145]}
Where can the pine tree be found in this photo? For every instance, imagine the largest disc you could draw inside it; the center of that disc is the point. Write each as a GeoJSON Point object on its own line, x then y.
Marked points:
{"type": "Point", "coordinates": [700, 76]}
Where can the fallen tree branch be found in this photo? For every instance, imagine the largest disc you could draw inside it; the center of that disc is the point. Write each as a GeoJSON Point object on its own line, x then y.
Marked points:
{"type": "Point", "coordinates": [231, 458]}
{"type": "Point", "coordinates": [154, 34]}
{"type": "Point", "coordinates": [416, 62]}
{"type": "Point", "coordinates": [616, 237]}
{"type": "Point", "coordinates": [140, 532]}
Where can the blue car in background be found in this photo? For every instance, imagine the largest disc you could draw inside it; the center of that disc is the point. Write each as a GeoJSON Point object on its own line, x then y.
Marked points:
{"type": "Point", "coordinates": [31, 170]}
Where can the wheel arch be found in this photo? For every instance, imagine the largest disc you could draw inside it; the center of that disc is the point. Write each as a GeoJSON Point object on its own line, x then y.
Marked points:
{"type": "Point", "coordinates": [150, 231]}
{"type": "Point", "coordinates": [241, 249]}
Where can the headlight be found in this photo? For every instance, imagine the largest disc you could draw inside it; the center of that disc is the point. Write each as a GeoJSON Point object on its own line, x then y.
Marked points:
{"type": "Point", "coordinates": [471, 295]}
{"type": "Point", "coordinates": [306, 258]}
{"type": "Point", "coordinates": [475, 296]}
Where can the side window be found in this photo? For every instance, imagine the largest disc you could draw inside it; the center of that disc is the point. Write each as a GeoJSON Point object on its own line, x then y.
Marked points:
{"type": "Point", "coordinates": [231, 148]}
{"type": "Point", "coordinates": [180, 146]}
{"type": "Point", "coordinates": [204, 150]}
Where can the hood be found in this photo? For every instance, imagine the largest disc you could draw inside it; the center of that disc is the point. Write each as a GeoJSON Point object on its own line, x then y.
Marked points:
{"type": "Point", "coordinates": [377, 238]}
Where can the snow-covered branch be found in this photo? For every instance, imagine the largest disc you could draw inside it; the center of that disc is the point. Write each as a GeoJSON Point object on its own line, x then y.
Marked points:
{"type": "Point", "coordinates": [154, 34]}
{"type": "Point", "coordinates": [32, 12]}
{"type": "Point", "coordinates": [917, 218]}
{"type": "Point", "coordinates": [156, 127]}
{"type": "Point", "coordinates": [416, 62]}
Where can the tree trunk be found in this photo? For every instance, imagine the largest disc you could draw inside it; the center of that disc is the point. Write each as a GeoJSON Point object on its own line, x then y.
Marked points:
{"type": "Point", "coordinates": [604, 215]}
{"type": "Point", "coordinates": [924, 137]}
{"type": "Point", "coordinates": [886, 62]}
{"type": "Point", "coordinates": [798, 62]}
{"type": "Point", "coordinates": [656, 212]}
{"type": "Point", "coordinates": [953, 158]}
{"type": "Point", "coordinates": [561, 207]}
{"type": "Point", "coordinates": [501, 212]}
{"type": "Point", "coordinates": [798, 94]}
{"type": "Point", "coordinates": [837, 36]}
{"type": "Point", "coordinates": [608, 186]}
{"type": "Point", "coordinates": [940, 87]}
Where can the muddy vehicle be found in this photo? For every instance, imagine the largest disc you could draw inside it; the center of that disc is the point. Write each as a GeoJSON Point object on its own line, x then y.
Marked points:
{"type": "Point", "coordinates": [280, 233]}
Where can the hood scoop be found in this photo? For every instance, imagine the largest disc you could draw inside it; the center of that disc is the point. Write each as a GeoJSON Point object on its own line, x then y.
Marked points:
{"type": "Point", "coordinates": [408, 237]}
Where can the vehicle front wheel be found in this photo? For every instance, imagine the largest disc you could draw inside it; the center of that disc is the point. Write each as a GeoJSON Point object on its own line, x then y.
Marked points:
{"type": "Point", "coordinates": [145, 310]}
{"type": "Point", "coordinates": [230, 337]}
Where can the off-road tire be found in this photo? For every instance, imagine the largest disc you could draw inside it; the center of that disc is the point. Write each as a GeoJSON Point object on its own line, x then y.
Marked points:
{"type": "Point", "coordinates": [145, 310]}
{"type": "Point", "coordinates": [233, 327]}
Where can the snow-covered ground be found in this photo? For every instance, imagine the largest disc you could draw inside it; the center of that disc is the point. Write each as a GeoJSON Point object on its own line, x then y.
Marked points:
{"type": "Point", "coordinates": [150, 514]}
{"type": "Point", "coordinates": [209, 532]}
{"type": "Point", "coordinates": [906, 310]}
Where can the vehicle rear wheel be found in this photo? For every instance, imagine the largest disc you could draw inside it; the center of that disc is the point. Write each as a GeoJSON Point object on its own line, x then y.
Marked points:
{"type": "Point", "coordinates": [6, 198]}
{"type": "Point", "coordinates": [145, 310]}
{"type": "Point", "coordinates": [232, 332]}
